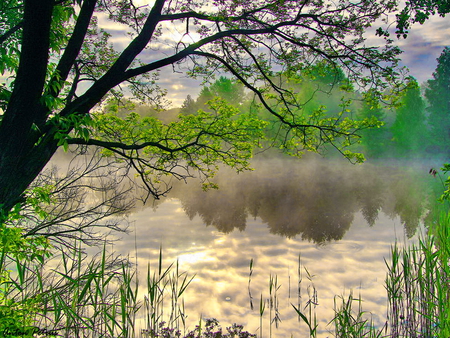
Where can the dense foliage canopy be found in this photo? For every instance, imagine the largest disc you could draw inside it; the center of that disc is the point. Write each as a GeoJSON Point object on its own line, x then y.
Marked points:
{"type": "Point", "coordinates": [59, 64]}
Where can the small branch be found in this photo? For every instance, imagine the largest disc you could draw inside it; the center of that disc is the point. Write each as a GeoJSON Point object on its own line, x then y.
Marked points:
{"type": "Point", "coordinates": [5, 36]}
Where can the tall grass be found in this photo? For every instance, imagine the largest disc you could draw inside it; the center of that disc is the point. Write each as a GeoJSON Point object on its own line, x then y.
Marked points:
{"type": "Point", "coordinates": [102, 297]}
{"type": "Point", "coordinates": [418, 286]}
{"type": "Point", "coordinates": [351, 322]}
{"type": "Point", "coordinates": [165, 284]}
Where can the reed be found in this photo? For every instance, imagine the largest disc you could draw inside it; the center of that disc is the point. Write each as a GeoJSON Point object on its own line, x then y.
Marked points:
{"type": "Point", "coordinates": [165, 284]}
{"type": "Point", "coordinates": [100, 297]}
{"type": "Point", "coordinates": [308, 315]}
{"type": "Point", "coordinates": [353, 323]}
{"type": "Point", "coordinates": [418, 286]}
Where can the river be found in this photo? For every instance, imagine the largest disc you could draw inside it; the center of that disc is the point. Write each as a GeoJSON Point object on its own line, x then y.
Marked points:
{"type": "Point", "coordinates": [319, 228]}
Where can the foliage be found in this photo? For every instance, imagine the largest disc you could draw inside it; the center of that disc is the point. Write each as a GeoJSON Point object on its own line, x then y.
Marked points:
{"type": "Point", "coordinates": [58, 215]}
{"type": "Point", "coordinates": [419, 11]}
{"type": "Point", "coordinates": [232, 92]}
{"type": "Point", "coordinates": [409, 129]}
{"type": "Point", "coordinates": [68, 66]}
{"type": "Point", "coordinates": [17, 255]}
{"type": "Point", "coordinates": [323, 97]}
{"type": "Point", "coordinates": [196, 142]}
{"type": "Point", "coordinates": [446, 184]}
{"type": "Point", "coordinates": [438, 96]}
{"type": "Point", "coordinates": [375, 141]}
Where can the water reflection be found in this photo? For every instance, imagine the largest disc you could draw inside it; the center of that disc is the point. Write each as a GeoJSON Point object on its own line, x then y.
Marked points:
{"type": "Point", "coordinates": [315, 200]}
{"type": "Point", "coordinates": [302, 204]}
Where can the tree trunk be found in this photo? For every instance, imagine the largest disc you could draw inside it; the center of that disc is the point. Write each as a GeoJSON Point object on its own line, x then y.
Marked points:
{"type": "Point", "coordinates": [24, 107]}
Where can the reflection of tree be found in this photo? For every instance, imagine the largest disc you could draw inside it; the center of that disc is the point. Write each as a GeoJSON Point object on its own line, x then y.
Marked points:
{"type": "Point", "coordinates": [221, 208]}
{"type": "Point", "coordinates": [314, 200]}
{"type": "Point", "coordinates": [371, 196]}
{"type": "Point", "coordinates": [410, 201]}
{"type": "Point", "coordinates": [317, 207]}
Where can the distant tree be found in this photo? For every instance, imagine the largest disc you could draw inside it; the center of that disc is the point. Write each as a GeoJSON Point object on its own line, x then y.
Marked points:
{"type": "Point", "coordinates": [227, 89]}
{"type": "Point", "coordinates": [409, 129]}
{"type": "Point", "coordinates": [375, 141]}
{"type": "Point", "coordinates": [189, 106]}
{"type": "Point", "coordinates": [321, 92]}
{"type": "Point", "coordinates": [438, 96]}
{"type": "Point", "coordinates": [230, 90]}
{"type": "Point", "coordinates": [61, 65]}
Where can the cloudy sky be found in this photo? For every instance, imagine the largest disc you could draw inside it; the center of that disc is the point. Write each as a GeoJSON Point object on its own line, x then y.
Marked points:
{"type": "Point", "coordinates": [421, 48]}
{"type": "Point", "coordinates": [424, 45]}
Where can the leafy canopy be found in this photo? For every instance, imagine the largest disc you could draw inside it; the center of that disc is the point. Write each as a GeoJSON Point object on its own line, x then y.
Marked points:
{"type": "Point", "coordinates": [68, 66]}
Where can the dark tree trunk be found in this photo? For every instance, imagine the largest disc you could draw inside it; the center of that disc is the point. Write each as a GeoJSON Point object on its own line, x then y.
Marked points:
{"type": "Point", "coordinates": [25, 106]}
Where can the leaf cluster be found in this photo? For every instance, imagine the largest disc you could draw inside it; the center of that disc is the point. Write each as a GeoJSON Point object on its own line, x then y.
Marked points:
{"type": "Point", "coordinates": [194, 142]}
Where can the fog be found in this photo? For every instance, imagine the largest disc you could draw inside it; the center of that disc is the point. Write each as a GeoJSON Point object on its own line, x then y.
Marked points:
{"type": "Point", "coordinates": [340, 219]}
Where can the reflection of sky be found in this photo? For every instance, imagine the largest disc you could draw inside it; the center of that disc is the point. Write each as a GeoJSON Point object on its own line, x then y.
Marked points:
{"type": "Point", "coordinates": [221, 264]}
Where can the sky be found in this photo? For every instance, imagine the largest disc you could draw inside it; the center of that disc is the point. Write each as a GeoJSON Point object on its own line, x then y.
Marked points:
{"type": "Point", "coordinates": [424, 45]}
{"type": "Point", "coordinates": [421, 48]}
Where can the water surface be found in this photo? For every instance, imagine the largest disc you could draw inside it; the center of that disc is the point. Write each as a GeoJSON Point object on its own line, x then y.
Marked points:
{"type": "Point", "coordinates": [340, 219]}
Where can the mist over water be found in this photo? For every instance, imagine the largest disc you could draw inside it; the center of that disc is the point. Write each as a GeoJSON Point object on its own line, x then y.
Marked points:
{"type": "Point", "coordinates": [340, 219]}
{"type": "Point", "coordinates": [315, 199]}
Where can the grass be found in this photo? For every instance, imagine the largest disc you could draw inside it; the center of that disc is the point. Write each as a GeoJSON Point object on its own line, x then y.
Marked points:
{"type": "Point", "coordinates": [100, 297]}
{"type": "Point", "coordinates": [418, 286]}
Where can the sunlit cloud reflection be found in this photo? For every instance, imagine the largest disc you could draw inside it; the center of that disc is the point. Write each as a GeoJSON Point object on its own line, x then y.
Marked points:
{"type": "Point", "coordinates": [220, 262]}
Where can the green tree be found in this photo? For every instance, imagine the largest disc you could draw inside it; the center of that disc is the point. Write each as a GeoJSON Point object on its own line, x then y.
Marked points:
{"type": "Point", "coordinates": [189, 106]}
{"type": "Point", "coordinates": [438, 96]}
{"type": "Point", "coordinates": [67, 66]}
{"type": "Point", "coordinates": [409, 130]}
{"type": "Point", "coordinates": [375, 141]}
{"type": "Point", "coordinates": [321, 93]}
{"type": "Point", "coordinates": [419, 11]}
{"type": "Point", "coordinates": [227, 89]}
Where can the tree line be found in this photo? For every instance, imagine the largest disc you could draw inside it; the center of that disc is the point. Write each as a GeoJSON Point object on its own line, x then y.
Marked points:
{"type": "Point", "coordinates": [416, 126]}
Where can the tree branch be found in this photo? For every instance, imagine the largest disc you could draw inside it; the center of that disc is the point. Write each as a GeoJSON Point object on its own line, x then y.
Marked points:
{"type": "Point", "coordinates": [76, 40]}
{"type": "Point", "coordinates": [5, 36]}
{"type": "Point", "coordinates": [123, 146]}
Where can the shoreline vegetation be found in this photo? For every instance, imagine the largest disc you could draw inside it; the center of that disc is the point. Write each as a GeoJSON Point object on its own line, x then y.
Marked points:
{"type": "Point", "coordinates": [99, 297]}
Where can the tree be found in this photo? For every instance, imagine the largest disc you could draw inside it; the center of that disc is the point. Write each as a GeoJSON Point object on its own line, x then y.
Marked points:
{"type": "Point", "coordinates": [325, 96]}
{"type": "Point", "coordinates": [419, 11]}
{"type": "Point", "coordinates": [189, 106]}
{"type": "Point", "coordinates": [438, 96]}
{"type": "Point", "coordinates": [409, 129]}
{"type": "Point", "coordinates": [67, 67]}
{"type": "Point", "coordinates": [231, 91]}
{"type": "Point", "coordinates": [227, 89]}
{"type": "Point", "coordinates": [375, 141]}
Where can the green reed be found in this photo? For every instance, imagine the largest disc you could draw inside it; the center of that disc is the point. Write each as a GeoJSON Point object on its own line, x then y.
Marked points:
{"type": "Point", "coordinates": [101, 297]}
{"type": "Point", "coordinates": [418, 287]}
{"type": "Point", "coordinates": [308, 315]}
{"type": "Point", "coordinates": [353, 323]}
{"type": "Point", "coordinates": [165, 285]}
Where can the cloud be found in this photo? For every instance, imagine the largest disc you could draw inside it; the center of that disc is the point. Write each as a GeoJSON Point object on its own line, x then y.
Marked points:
{"type": "Point", "coordinates": [424, 45]}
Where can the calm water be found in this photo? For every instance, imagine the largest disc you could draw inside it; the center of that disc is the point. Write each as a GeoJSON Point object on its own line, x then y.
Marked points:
{"type": "Point", "coordinates": [340, 218]}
